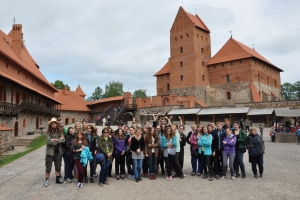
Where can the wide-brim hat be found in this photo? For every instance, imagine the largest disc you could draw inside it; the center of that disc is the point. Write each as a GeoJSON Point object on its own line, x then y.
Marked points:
{"type": "Point", "coordinates": [53, 120]}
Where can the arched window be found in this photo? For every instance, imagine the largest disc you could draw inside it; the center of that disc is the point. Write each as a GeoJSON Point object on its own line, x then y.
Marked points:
{"type": "Point", "coordinates": [181, 64]}
{"type": "Point", "coordinates": [181, 50]}
{"type": "Point", "coordinates": [202, 50]}
{"type": "Point", "coordinates": [181, 77]}
{"type": "Point", "coordinates": [228, 78]}
{"type": "Point", "coordinates": [203, 77]}
{"type": "Point", "coordinates": [228, 95]}
{"type": "Point", "coordinates": [175, 39]}
{"type": "Point", "coordinates": [168, 86]}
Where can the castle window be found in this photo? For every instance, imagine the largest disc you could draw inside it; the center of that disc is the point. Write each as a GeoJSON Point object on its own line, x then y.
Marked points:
{"type": "Point", "coordinates": [197, 35]}
{"type": "Point", "coordinates": [187, 35]}
{"type": "Point", "coordinates": [206, 39]}
{"type": "Point", "coordinates": [181, 37]}
{"type": "Point", "coordinates": [168, 86]}
{"type": "Point", "coordinates": [231, 63]}
{"type": "Point", "coordinates": [202, 63]}
{"type": "Point", "coordinates": [228, 78]}
{"type": "Point", "coordinates": [181, 50]}
{"type": "Point", "coordinates": [241, 61]}
{"type": "Point", "coordinates": [24, 123]}
{"type": "Point", "coordinates": [203, 77]}
{"type": "Point", "coordinates": [223, 65]}
{"type": "Point", "coordinates": [175, 39]}
{"type": "Point", "coordinates": [228, 94]}
{"type": "Point", "coordinates": [181, 64]}
{"type": "Point", "coordinates": [202, 50]}
{"type": "Point", "coordinates": [267, 80]}
{"type": "Point", "coordinates": [181, 77]}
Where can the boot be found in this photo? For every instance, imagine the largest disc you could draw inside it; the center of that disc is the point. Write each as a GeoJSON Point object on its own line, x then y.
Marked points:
{"type": "Point", "coordinates": [59, 180]}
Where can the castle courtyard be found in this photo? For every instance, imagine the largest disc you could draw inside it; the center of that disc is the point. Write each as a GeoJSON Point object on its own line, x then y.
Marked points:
{"type": "Point", "coordinates": [24, 179]}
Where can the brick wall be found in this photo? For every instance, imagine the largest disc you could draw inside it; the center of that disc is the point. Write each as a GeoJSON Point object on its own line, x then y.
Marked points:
{"type": "Point", "coordinates": [74, 116]}
{"type": "Point", "coordinates": [5, 141]}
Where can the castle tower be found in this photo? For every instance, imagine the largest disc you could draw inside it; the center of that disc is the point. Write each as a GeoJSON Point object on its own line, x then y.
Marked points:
{"type": "Point", "coordinates": [17, 39]}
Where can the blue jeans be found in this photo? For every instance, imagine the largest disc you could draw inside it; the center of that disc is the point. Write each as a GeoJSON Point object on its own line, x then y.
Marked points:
{"type": "Point", "coordinates": [69, 165]}
{"type": "Point", "coordinates": [137, 166]}
{"type": "Point", "coordinates": [239, 163]}
{"type": "Point", "coordinates": [103, 171]}
{"type": "Point", "coordinates": [194, 164]}
{"type": "Point", "coordinates": [152, 166]}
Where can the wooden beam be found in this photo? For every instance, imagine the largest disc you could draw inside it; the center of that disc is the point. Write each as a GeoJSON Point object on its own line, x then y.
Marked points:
{"type": "Point", "coordinates": [267, 116]}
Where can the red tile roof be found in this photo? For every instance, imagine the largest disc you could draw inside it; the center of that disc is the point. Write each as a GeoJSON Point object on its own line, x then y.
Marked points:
{"type": "Point", "coordinates": [196, 20]}
{"type": "Point", "coordinates": [200, 103]}
{"type": "Point", "coordinates": [164, 70]}
{"type": "Point", "coordinates": [255, 94]}
{"type": "Point", "coordinates": [71, 101]}
{"type": "Point", "coordinates": [117, 98]}
{"type": "Point", "coordinates": [79, 91]}
{"type": "Point", "coordinates": [234, 50]}
{"type": "Point", "coordinates": [276, 95]}
{"type": "Point", "coordinates": [27, 62]}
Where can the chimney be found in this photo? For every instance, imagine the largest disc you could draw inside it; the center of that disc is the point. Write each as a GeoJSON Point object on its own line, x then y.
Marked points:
{"type": "Point", "coordinates": [65, 91]}
{"type": "Point", "coordinates": [17, 39]}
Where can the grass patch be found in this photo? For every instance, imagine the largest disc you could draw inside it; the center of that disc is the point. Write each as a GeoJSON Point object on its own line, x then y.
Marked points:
{"type": "Point", "coordinates": [34, 145]}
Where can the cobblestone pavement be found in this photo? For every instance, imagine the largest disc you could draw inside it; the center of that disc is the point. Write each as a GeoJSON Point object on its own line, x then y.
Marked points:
{"type": "Point", "coordinates": [24, 179]}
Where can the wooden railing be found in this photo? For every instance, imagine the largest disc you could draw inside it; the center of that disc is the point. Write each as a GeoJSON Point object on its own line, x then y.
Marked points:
{"type": "Point", "coordinates": [95, 110]}
{"type": "Point", "coordinates": [126, 108]}
{"type": "Point", "coordinates": [8, 107]}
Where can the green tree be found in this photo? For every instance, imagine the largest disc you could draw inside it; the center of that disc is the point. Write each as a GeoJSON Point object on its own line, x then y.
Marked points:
{"type": "Point", "coordinates": [139, 94]}
{"type": "Point", "coordinates": [288, 91]}
{"type": "Point", "coordinates": [297, 90]}
{"type": "Point", "coordinates": [96, 95]}
{"type": "Point", "coordinates": [58, 84]}
{"type": "Point", "coordinates": [113, 89]}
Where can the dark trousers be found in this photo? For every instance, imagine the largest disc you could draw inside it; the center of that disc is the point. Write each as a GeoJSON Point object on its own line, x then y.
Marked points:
{"type": "Point", "coordinates": [109, 168]}
{"type": "Point", "coordinates": [218, 161]}
{"type": "Point", "coordinates": [257, 161]}
{"type": "Point", "coordinates": [160, 161]}
{"type": "Point", "coordinates": [181, 158]}
{"type": "Point", "coordinates": [120, 164]}
{"type": "Point", "coordinates": [69, 165]}
{"type": "Point", "coordinates": [92, 168]}
{"type": "Point", "coordinates": [152, 164]}
{"type": "Point", "coordinates": [145, 165]}
{"type": "Point", "coordinates": [129, 164]}
{"type": "Point", "coordinates": [273, 138]}
{"type": "Point", "coordinates": [197, 161]}
{"type": "Point", "coordinates": [239, 163]}
{"type": "Point", "coordinates": [177, 165]}
{"type": "Point", "coordinates": [169, 161]}
{"type": "Point", "coordinates": [247, 128]}
{"type": "Point", "coordinates": [206, 164]}
{"type": "Point", "coordinates": [81, 170]}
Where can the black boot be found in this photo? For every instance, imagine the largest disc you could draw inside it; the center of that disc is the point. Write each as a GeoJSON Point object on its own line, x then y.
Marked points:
{"type": "Point", "coordinates": [59, 180]}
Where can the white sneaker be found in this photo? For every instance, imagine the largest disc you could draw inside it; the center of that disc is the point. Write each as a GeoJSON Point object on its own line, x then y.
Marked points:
{"type": "Point", "coordinates": [81, 186]}
{"type": "Point", "coordinates": [232, 178]}
{"type": "Point", "coordinates": [46, 184]}
{"type": "Point", "coordinates": [132, 177]}
{"type": "Point", "coordinates": [78, 184]}
{"type": "Point", "coordinates": [129, 177]}
{"type": "Point", "coordinates": [168, 178]}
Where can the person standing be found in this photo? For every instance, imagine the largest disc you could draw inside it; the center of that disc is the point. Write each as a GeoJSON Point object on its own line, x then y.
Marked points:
{"type": "Point", "coordinates": [92, 140]}
{"type": "Point", "coordinates": [160, 160]}
{"type": "Point", "coordinates": [137, 147]}
{"type": "Point", "coordinates": [240, 149]}
{"type": "Point", "coordinates": [119, 153]}
{"type": "Point", "coordinates": [77, 147]}
{"type": "Point", "coordinates": [205, 149]}
{"type": "Point", "coordinates": [182, 144]}
{"type": "Point", "coordinates": [261, 129]}
{"type": "Point", "coordinates": [195, 153]}
{"type": "Point", "coordinates": [105, 146]}
{"type": "Point", "coordinates": [151, 150]}
{"type": "Point", "coordinates": [247, 125]}
{"type": "Point", "coordinates": [54, 151]}
{"type": "Point", "coordinates": [218, 147]}
{"type": "Point", "coordinates": [228, 152]}
{"type": "Point", "coordinates": [129, 161]}
{"type": "Point", "coordinates": [193, 127]}
{"type": "Point", "coordinates": [298, 135]}
{"type": "Point", "coordinates": [177, 165]}
{"type": "Point", "coordinates": [103, 121]}
{"type": "Point", "coordinates": [256, 148]}
{"type": "Point", "coordinates": [69, 160]}
{"type": "Point", "coordinates": [169, 146]}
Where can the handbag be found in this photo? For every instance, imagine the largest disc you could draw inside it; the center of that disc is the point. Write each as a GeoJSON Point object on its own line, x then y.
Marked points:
{"type": "Point", "coordinates": [99, 158]}
{"type": "Point", "coordinates": [194, 153]}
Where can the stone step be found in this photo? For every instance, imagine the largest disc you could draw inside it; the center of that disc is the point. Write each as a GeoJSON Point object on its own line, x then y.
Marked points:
{"type": "Point", "coordinates": [21, 142]}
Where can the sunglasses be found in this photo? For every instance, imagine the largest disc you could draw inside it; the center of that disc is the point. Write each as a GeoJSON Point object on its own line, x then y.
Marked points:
{"type": "Point", "coordinates": [105, 132]}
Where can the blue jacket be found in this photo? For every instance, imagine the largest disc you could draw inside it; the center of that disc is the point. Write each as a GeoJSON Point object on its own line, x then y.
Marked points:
{"type": "Point", "coordinates": [205, 141]}
{"type": "Point", "coordinates": [85, 156]}
{"type": "Point", "coordinates": [298, 132]}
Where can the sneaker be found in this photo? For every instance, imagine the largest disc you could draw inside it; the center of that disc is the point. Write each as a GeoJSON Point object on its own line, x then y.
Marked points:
{"type": "Point", "coordinates": [151, 177]}
{"type": "Point", "coordinates": [217, 176]}
{"type": "Point", "coordinates": [132, 177]}
{"type": "Point", "coordinates": [86, 179]}
{"type": "Point", "coordinates": [129, 176]}
{"type": "Point", "coordinates": [46, 184]}
{"type": "Point", "coordinates": [170, 178]}
{"type": "Point", "coordinates": [199, 174]}
{"type": "Point", "coordinates": [118, 177]}
{"type": "Point", "coordinates": [255, 176]}
{"type": "Point", "coordinates": [140, 179]}
{"type": "Point", "coordinates": [204, 176]}
{"type": "Point", "coordinates": [232, 178]}
{"type": "Point", "coordinates": [193, 174]}
{"type": "Point", "coordinates": [154, 177]}
{"type": "Point", "coordinates": [223, 177]}
{"type": "Point", "coordinates": [69, 180]}
{"type": "Point", "coordinates": [95, 175]}
{"type": "Point", "coordinates": [211, 178]}
{"type": "Point", "coordinates": [243, 175]}
{"type": "Point", "coordinates": [78, 184]}
{"type": "Point", "coordinates": [137, 180]}
{"type": "Point", "coordinates": [122, 176]}
{"type": "Point", "coordinates": [261, 175]}
{"type": "Point", "coordinates": [237, 175]}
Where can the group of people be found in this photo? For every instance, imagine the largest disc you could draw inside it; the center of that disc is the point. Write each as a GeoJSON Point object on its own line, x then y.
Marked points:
{"type": "Point", "coordinates": [144, 151]}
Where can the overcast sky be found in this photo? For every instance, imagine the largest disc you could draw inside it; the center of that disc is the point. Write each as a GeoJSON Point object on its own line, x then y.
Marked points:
{"type": "Point", "coordinates": [91, 42]}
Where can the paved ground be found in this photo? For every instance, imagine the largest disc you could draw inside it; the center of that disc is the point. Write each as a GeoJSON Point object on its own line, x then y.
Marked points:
{"type": "Point", "coordinates": [24, 179]}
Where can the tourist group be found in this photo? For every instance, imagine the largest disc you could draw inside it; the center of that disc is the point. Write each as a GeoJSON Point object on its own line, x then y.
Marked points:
{"type": "Point", "coordinates": [150, 150]}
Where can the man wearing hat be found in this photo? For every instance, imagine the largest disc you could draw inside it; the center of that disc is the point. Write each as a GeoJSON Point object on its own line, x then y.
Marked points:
{"type": "Point", "coordinates": [54, 139]}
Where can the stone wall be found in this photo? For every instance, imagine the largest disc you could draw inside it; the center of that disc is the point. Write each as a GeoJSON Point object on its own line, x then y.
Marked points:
{"type": "Point", "coordinates": [74, 116]}
{"type": "Point", "coordinates": [271, 104]}
{"type": "Point", "coordinates": [5, 141]}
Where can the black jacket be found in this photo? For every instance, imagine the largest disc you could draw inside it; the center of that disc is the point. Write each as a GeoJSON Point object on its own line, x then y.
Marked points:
{"type": "Point", "coordinates": [218, 138]}
{"type": "Point", "coordinates": [188, 137]}
{"type": "Point", "coordinates": [183, 141]}
{"type": "Point", "coordinates": [137, 144]}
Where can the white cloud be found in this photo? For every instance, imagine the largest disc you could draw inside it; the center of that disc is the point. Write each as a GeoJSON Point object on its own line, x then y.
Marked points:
{"type": "Point", "coordinates": [94, 42]}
